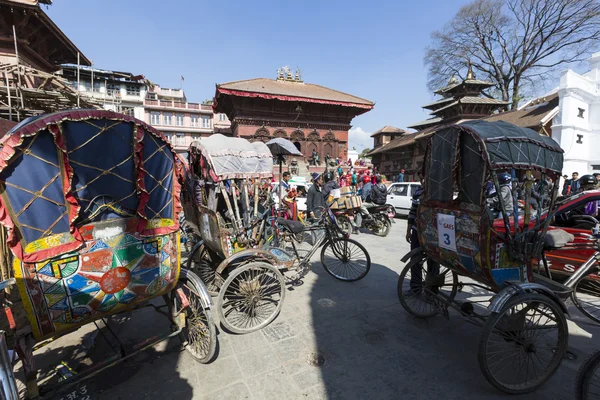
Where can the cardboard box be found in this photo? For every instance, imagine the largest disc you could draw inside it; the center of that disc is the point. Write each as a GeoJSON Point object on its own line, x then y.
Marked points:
{"type": "Point", "coordinates": [346, 190]}
{"type": "Point", "coordinates": [338, 204]}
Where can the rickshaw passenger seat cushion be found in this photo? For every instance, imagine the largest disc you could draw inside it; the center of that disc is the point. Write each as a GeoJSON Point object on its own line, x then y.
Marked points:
{"type": "Point", "coordinates": [292, 226]}
{"type": "Point", "coordinates": [557, 238]}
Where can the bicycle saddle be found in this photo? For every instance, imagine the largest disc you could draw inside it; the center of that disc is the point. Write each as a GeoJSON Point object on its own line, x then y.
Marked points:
{"type": "Point", "coordinates": [292, 226]}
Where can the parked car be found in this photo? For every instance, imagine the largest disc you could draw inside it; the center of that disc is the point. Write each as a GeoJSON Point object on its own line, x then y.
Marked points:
{"type": "Point", "coordinates": [400, 196]}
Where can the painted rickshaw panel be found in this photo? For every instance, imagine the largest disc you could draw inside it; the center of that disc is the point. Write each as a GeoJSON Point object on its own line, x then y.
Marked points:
{"type": "Point", "coordinates": [78, 258]}
{"type": "Point", "coordinates": [110, 274]}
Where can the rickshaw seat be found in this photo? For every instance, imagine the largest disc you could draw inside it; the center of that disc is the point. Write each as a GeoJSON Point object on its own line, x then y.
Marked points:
{"type": "Point", "coordinates": [292, 226]}
{"type": "Point", "coordinates": [557, 238]}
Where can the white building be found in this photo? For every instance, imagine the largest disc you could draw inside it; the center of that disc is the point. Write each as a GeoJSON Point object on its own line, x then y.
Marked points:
{"type": "Point", "coordinates": [577, 126]}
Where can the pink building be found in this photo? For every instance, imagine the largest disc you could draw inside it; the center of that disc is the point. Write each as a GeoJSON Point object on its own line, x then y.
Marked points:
{"type": "Point", "coordinates": [169, 111]}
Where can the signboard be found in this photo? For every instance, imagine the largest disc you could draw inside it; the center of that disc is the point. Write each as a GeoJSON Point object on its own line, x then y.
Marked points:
{"type": "Point", "coordinates": [446, 231]}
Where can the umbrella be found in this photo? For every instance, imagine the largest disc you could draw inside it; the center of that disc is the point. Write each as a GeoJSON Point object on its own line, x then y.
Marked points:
{"type": "Point", "coordinates": [282, 147]}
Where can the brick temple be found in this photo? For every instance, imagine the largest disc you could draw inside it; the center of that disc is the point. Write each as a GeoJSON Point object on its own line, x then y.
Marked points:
{"type": "Point", "coordinates": [313, 117]}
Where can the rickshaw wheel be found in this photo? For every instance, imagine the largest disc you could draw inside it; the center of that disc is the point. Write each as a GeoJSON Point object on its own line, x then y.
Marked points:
{"type": "Point", "coordinates": [200, 332]}
{"type": "Point", "coordinates": [345, 259]}
{"type": "Point", "coordinates": [588, 379]}
{"type": "Point", "coordinates": [202, 263]}
{"type": "Point", "coordinates": [432, 296]}
{"type": "Point", "coordinates": [251, 297]}
{"type": "Point", "coordinates": [523, 345]}
{"type": "Point", "coordinates": [586, 297]}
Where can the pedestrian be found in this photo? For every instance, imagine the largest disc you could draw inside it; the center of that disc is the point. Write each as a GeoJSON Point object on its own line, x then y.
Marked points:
{"type": "Point", "coordinates": [354, 178]}
{"type": "Point", "coordinates": [400, 176]}
{"type": "Point", "coordinates": [374, 179]}
{"type": "Point", "coordinates": [315, 200]}
{"type": "Point", "coordinates": [571, 186]}
{"type": "Point", "coordinates": [412, 237]}
{"type": "Point", "coordinates": [340, 171]}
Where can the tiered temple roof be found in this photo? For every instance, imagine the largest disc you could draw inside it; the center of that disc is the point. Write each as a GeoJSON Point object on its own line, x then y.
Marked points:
{"type": "Point", "coordinates": [460, 100]}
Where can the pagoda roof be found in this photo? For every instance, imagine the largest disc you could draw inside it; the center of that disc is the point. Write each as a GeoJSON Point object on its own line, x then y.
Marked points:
{"type": "Point", "coordinates": [467, 82]}
{"type": "Point", "coordinates": [473, 100]}
{"type": "Point", "coordinates": [291, 91]}
{"type": "Point", "coordinates": [389, 129]}
{"type": "Point", "coordinates": [424, 124]}
{"type": "Point", "coordinates": [436, 104]}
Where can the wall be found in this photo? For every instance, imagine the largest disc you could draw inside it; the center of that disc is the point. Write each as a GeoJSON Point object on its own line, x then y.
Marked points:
{"type": "Point", "coordinates": [335, 148]}
{"type": "Point", "coordinates": [579, 135]}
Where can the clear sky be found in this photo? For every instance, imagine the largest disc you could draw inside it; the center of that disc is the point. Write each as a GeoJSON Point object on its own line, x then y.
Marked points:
{"type": "Point", "coordinates": [372, 49]}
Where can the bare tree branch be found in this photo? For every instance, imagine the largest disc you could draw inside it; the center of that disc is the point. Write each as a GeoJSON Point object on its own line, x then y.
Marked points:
{"type": "Point", "coordinates": [513, 43]}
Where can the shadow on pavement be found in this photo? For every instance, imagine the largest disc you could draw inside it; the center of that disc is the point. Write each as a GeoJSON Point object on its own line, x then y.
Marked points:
{"type": "Point", "coordinates": [165, 370]}
{"type": "Point", "coordinates": [372, 349]}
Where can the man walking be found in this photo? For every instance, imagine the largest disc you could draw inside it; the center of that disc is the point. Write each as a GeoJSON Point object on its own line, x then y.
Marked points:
{"type": "Point", "coordinates": [571, 186]}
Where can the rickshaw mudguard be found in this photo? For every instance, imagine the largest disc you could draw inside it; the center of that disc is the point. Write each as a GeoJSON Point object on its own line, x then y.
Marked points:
{"type": "Point", "coordinates": [205, 298]}
{"type": "Point", "coordinates": [499, 300]}
{"type": "Point", "coordinates": [259, 254]}
{"type": "Point", "coordinates": [411, 254]}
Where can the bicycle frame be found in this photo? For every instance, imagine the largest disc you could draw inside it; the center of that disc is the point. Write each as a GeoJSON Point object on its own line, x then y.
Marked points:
{"type": "Point", "coordinates": [329, 225]}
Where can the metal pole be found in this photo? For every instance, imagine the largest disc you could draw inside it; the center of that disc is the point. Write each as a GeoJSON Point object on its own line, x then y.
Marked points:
{"type": "Point", "coordinates": [18, 89]}
{"type": "Point", "coordinates": [92, 80]}
{"type": "Point", "coordinates": [9, 100]}
{"type": "Point", "coordinates": [78, 80]}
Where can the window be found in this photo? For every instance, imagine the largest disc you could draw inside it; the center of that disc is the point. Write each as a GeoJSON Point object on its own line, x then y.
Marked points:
{"type": "Point", "coordinates": [413, 189]}
{"type": "Point", "coordinates": [169, 137]}
{"type": "Point", "coordinates": [167, 119]}
{"type": "Point", "coordinates": [179, 120]}
{"type": "Point", "coordinates": [129, 111]}
{"type": "Point", "coordinates": [194, 121]}
{"type": "Point", "coordinates": [133, 90]}
{"type": "Point", "coordinates": [206, 122]}
{"type": "Point", "coordinates": [154, 118]}
{"type": "Point", "coordinates": [222, 117]}
{"type": "Point", "coordinates": [580, 112]}
{"type": "Point", "coordinates": [112, 89]}
{"type": "Point", "coordinates": [400, 190]}
{"type": "Point", "coordinates": [180, 139]}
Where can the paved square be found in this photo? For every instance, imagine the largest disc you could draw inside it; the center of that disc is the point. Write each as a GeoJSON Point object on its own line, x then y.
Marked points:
{"type": "Point", "coordinates": [369, 346]}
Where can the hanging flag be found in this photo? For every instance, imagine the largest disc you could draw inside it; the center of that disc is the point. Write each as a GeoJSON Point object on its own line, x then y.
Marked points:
{"type": "Point", "coordinates": [182, 78]}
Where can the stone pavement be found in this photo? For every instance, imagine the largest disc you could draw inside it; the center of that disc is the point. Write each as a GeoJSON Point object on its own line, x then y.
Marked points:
{"type": "Point", "coordinates": [333, 340]}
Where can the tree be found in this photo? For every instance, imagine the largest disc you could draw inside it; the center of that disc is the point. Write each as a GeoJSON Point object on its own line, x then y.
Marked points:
{"type": "Point", "coordinates": [363, 154]}
{"type": "Point", "coordinates": [513, 43]}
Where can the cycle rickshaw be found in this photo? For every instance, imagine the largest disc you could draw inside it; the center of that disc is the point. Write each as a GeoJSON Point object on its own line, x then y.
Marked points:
{"type": "Point", "coordinates": [245, 248]}
{"type": "Point", "coordinates": [525, 331]}
{"type": "Point", "coordinates": [89, 203]}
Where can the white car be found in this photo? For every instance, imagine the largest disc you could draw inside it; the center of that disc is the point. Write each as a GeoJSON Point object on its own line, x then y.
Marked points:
{"type": "Point", "coordinates": [400, 196]}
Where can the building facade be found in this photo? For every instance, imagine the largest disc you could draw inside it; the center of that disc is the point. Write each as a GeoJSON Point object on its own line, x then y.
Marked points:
{"type": "Point", "coordinates": [122, 92]}
{"type": "Point", "coordinates": [576, 127]}
{"type": "Point", "coordinates": [313, 117]}
{"type": "Point", "coordinates": [181, 121]}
